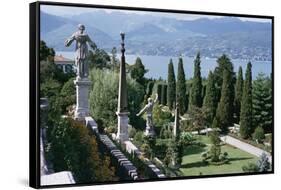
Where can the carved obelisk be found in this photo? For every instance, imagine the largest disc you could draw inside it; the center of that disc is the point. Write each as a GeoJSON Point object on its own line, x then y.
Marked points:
{"type": "Point", "coordinates": [122, 110]}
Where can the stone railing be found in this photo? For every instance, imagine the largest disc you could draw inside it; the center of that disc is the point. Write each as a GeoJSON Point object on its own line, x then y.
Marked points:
{"type": "Point", "coordinates": [153, 170]}
{"type": "Point", "coordinates": [125, 168]}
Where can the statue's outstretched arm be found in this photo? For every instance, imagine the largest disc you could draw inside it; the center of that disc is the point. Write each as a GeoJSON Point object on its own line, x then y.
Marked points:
{"type": "Point", "coordinates": [156, 98]}
{"type": "Point", "coordinates": [141, 112]}
{"type": "Point", "coordinates": [69, 41]}
{"type": "Point", "coordinates": [91, 43]}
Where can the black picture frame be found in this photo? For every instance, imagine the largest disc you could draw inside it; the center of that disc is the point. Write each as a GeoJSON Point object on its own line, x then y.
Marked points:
{"type": "Point", "coordinates": [34, 99]}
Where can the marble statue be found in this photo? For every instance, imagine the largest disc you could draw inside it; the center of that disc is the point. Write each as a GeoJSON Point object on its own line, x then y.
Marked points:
{"type": "Point", "coordinates": [149, 122]}
{"type": "Point", "coordinates": [81, 50]}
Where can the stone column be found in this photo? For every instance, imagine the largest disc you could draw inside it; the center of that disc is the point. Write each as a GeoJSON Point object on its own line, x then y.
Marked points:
{"type": "Point", "coordinates": [82, 98]}
{"type": "Point", "coordinates": [122, 110]}
{"type": "Point", "coordinates": [176, 123]}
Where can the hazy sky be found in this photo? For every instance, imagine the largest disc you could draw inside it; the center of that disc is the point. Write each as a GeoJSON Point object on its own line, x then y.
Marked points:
{"type": "Point", "coordinates": [69, 11]}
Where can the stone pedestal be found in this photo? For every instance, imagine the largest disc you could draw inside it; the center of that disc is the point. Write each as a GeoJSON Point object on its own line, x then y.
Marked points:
{"type": "Point", "coordinates": [82, 98]}
{"type": "Point", "coordinates": [123, 121]}
{"type": "Point", "coordinates": [149, 131]}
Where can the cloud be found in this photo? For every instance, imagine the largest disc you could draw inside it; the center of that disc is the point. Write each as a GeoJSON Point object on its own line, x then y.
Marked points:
{"type": "Point", "coordinates": [67, 11]}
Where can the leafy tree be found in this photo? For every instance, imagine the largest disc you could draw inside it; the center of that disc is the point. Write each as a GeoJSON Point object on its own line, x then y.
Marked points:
{"type": "Point", "coordinates": [49, 88]}
{"type": "Point", "coordinates": [48, 69]}
{"type": "Point", "coordinates": [138, 70]}
{"type": "Point", "coordinates": [67, 94]}
{"type": "Point", "coordinates": [160, 117]}
{"type": "Point", "coordinates": [135, 98]}
{"type": "Point", "coordinates": [196, 89]}
{"type": "Point", "coordinates": [246, 128]}
{"type": "Point", "coordinates": [224, 112]}
{"type": "Point", "coordinates": [104, 96]}
{"type": "Point", "coordinates": [114, 60]}
{"type": "Point", "coordinates": [210, 99]}
{"type": "Point", "coordinates": [46, 53]}
{"type": "Point", "coordinates": [171, 96]}
{"type": "Point", "coordinates": [99, 59]}
{"type": "Point", "coordinates": [187, 138]}
{"type": "Point", "coordinates": [72, 148]}
{"type": "Point", "coordinates": [238, 93]}
{"type": "Point", "coordinates": [198, 118]}
{"type": "Point", "coordinates": [262, 102]}
{"type": "Point", "coordinates": [181, 88]}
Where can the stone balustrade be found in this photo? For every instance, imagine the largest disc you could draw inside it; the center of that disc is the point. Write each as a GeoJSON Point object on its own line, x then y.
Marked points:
{"type": "Point", "coordinates": [125, 166]}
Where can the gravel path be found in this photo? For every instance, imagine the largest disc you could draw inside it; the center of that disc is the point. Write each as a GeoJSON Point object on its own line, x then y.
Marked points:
{"type": "Point", "coordinates": [245, 146]}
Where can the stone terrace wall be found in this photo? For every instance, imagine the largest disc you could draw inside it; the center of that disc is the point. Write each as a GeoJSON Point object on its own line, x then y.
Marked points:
{"type": "Point", "coordinates": [126, 170]}
{"type": "Point", "coordinates": [154, 172]}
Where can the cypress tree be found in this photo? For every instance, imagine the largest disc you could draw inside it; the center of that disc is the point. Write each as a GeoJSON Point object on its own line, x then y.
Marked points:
{"type": "Point", "coordinates": [209, 103]}
{"type": "Point", "coordinates": [138, 71]}
{"type": "Point", "coordinates": [238, 94]}
{"type": "Point", "coordinates": [181, 88]}
{"type": "Point", "coordinates": [224, 113]}
{"type": "Point", "coordinates": [164, 94]}
{"type": "Point", "coordinates": [171, 96]}
{"type": "Point", "coordinates": [223, 63]}
{"type": "Point", "coordinates": [196, 89]}
{"type": "Point", "coordinates": [246, 105]}
{"type": "Point", "coordinates": [149, 88]}
{"type": "Point", "coordinates": [262, 103]}
{"type": "Point", "coordinates": [159, 92]}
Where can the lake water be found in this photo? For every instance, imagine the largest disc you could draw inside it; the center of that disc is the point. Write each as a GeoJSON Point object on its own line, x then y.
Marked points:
{"type": "Point", "coordinates": [158, 65]}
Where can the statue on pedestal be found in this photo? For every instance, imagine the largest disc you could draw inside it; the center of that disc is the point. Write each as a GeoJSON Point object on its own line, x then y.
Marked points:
{"type": "Point", "coordinates": [82, 82]}
{"type": "Point", "coordinates": [81, 50]}
{"type": "Point", "coordinates": [149, 131]}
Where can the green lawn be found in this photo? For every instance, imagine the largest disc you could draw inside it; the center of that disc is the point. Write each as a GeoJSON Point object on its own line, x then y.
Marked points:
{"type": "Point", "coordinates": [192, 162]}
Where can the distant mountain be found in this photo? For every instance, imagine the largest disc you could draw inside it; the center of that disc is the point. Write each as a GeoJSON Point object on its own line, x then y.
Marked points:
{"type": "Point", "coordinates": [55, 30]}
{"type": "Point", "coordinates": [155, 35]}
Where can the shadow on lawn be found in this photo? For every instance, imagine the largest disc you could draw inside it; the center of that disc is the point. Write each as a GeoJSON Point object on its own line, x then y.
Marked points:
{"type": "Point", "coordinates": [199, 164]}
{"type": "Point", "coordinates": [241, 158]}
{"type": "Point", "coordinates": [194, 149]}
{"type": "Point", "coordinates": [194, 165]}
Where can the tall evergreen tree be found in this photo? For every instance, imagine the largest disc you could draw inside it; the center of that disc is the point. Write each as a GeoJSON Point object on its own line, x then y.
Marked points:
{"type": "Point", "coordinates": [138, 71]}
{"type": "Point", "coordinates": [164, 94]}
{"type": "Point", "coordinates": [209, 103]}
{"type": "Point", "coordinates": [246, 105]}
{"type": "Point", "coordinates": [238, 94]}
{"type": "Point", "coordinates": [223, 63]}
{"type": "Point", "coordinates": [171, 94]}
{"type": "Point", "coordinates": [224, 112]}
{"type": "Point", "coordinates": [159, 92]}
{"type": "Point", "coordinates": [114, 60]}
{"type": "Point", "coordinates": [196, 89]}
{"type": "Point", "coordinates": [181, 88]}
{"type": "Point", "coordinates": [262, 102]}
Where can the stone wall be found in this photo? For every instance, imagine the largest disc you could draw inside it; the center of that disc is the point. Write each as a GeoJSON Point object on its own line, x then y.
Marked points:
{"type": "Point", "coordinates": [125, 170]}
{"type": "Point", "coordinates": [153, 171]}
